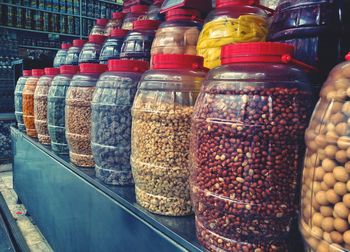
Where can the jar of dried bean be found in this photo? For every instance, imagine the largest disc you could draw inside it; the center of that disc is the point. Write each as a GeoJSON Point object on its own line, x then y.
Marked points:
{"type": "Point", "coordinates": [40, 104]}
{"type": "Point", "coordinates": [115, 23]}
{"type": "Point", "coordinates": [28, 101]}
{"type": "Point", "coordinates": [61, 55]}
{"type": "Point", "coordinates": [19, 100]}
{"type": "Point", "coordinates": [99, 27]}
{"type": "Point", "coordinates": [161, 122]}
{"type": "Point", "coordinates": [247, 148]}
{"type": "Point", "coordinates": [135, 12]}
{"type": "Point", "coordinates": [113, 45]}
{"type": "Point", "coordinates": [325, 203]}
{"type": "Point", "coordinates": [56, 108]}
{"type": "Point", "coordinates": [111, 120]}
{"type": "Point", "coordinates": [73, 52]}
{"type": "Point", "coordinates": [78, 113]}
{"type": "Point", "coordinates": [91, 50]}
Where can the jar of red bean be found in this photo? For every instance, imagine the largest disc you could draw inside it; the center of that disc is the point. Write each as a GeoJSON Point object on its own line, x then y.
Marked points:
{"type": "Point", "coordinates": [247, 147]}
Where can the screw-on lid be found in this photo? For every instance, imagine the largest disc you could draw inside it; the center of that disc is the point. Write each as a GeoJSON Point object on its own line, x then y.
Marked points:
{"type": "Point", "coordinates": [226, 3]}
{"type": "Point", "coordinates": [347, 57]}
{"type": "Point", "coordinates": [138, 66]}
{"type": "Point", "coordinates": [102, 21]}
{"type": "Point", "coordinates": [177, 61]}
{"type": "Point", "coordinates": [93, 68]}
{"type": "Point", "coordinates": [139, 9]}
{"type": "Point", "coordinates": [27, 73]}
{"type": "Point", "coordinates": [68, 69]}
{"type": "Point", "coordinates": [79, 42]}
{"type": "Point", "coordinates": [182, 14]}
{"type": "Point", "coordinates": [37, 72]}
{"type": "Point", "coordinates": [146, 24]}
{"type": "Point", "coordinates": [51, 71]}
{"type": "Point", "coordinates": [119, 33]}
{"type": "Point", "coordinates": [65, 46]}
{"type": "Point", "coordinates": [118, 15]}
{"type": "Point", "coordinates": [97, 39]}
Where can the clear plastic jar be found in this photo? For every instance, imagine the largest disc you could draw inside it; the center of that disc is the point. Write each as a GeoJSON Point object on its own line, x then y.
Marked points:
{"type": "Point", "coordinates": [28, 102]}
{"type": "Point", "coordinates": [115, 23]}
{"type": "Point", "coordinates": [113, 45]}
{"type": "Point", "coordinates": [99, 27]}
{"type": "Point", "coordinates": [56, 108]}
{"type": "Point", "coordinates": [232, 21]}
{"type": "Point", "coordinates": [78, 113]}
{"type": "Point", "coordinates": [325, 196]}
{"type": "Point", "coordinates": [161, 122]}
{"type": "Point", "coordinates": [153, 12]}
{"type": "Point", "coordinates": [137, 44]}
{"type": "Point", "coordinates": [247, 148]}
{"type": "Point", "coordinates": [272, 4]}
{"type": "Point", "coordinates": [19, 100]}
{"type": "Point", "coordinates": [73, 52]}
{"type": "Point", "coordinates": [111, 120]}
{"type": "Point", "coordinates": [91, 50]}
{"type": "Point", "coordinates": [40, 104]}
{"type": "Point", "coordinates": [135, 12]}
{"type": "Point", "coordinates": [178, 34]}
{"type": "Point", "coordinates": [60, 58]}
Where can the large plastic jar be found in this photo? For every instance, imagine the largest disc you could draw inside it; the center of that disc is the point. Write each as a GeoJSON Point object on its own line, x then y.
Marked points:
{"type": "Point", "coordinates": [325, 203]}
{"type": "Point", "coordinates": [232, 21]}
{"type": "Point", "coordinates": [178, 34]}
{"type": "Point", "coordinates": [115, 23]}
{"type": "Point", "coordinates": [113, 45]}
{"type": "Point", "coordinates": [73, 52]}
{"type": "Point", "coordinates": [99, 27]}
{"type": "Point", "coordinates": [111, 120]}
{"type": "Point", "coordinates": [40, 104]}
{"type": "Point", "coordinates": [19, 100]}
{"type": "Point", "coordinates": [137, 44]}
{"type": "Point", "coordinates": [161, 122]}
{"type": "Point", "coordinates": [153, 12]}
{"type": "Point", "coordinates": [135, 12]}
{"type": "Point", "coordinates": [91, 50]}
{"type": "Point", "coordinates": [247, 148]}
{"type": "Point", "coordinates": [56, 108]}
{"type": "Point", "coordinates": [28, 101]}
{"type": "Point", "coordinates": [78, 113]}
{"type": "Point", "coordinates": [60, 58]}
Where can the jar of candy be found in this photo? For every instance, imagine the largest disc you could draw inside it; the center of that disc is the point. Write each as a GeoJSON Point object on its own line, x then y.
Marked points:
{"type": "Point", "coordinates": [325, 197]}
{"type": "Point", "coordinates": [40, 104]}
{"type": "Point", "coordinates": [73, 52]}
{"type": "Point", "coordinates": [78, 113]}
{"type": "Point", "coordinates": [56, 108]}
{"type": "Point", "coordinates": [61, 55]}
{"type": "Point", "coordinates": [161, 122]}
{"type": "Point", "coordinates": [28, 101]}
{"type": "Point", "coordinates": [115, 23]}
{"type": "Point", "coordinates": [232, 21]}
{"type": "Point", "coordinates": [135, 12]}
{"type": "Point", "coordinates": [111, 120]}
{"type": "Point", "coordinates": [99, 27]}
{"type": "Point", "coordinates": [91, 50]}
{"type": "Point", "coordinates": [137, 44]}
{"type": "Point", "coordinates": [247, 148]}
{"type": "Point", "coordinates": [113, 45]}
{"type": "Point", "coordinates": [19, 100]}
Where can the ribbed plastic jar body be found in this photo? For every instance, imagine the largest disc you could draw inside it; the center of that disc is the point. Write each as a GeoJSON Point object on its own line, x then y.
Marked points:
{"type": "Point", "coordinates": [90, 53]}
{"type": "Point", "coordinates": [28, 106]}
{"type": "Point", "coordinates": [113, 24]}
{"type": "Point", "coordinates": [161, 125]}
{"type": "Point", "coordinates": [111, 49]}
{"type": "Point", "coordinates": [137, 45]}
{"type": "Point", "coordinates": [60, 58]}
{"type": "Point", "coordinates": [325, 194]}
{"type": "Point", "coordinates": [246, 155]}
{"type": "Point", "coordinates": [129, 20]}
{"type": "Point", "coordinates": [153, 13]}
{"type": "Point", "coordinates": [72, 57]}
{"type": "Point", "coordinates": [19, 102]}
{"type": "Point", "coordinates": [98, 30]}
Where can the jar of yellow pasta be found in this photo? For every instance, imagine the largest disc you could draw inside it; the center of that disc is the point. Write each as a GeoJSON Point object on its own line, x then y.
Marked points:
{"type": "Point", "coordinates": [232, 21]}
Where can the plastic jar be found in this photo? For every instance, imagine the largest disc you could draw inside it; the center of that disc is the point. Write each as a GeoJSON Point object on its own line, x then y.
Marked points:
{"type": "Point", "coordinates": [28, 101]}
{"type": "Point", "coordinates": [153, 12]}
{"type": "Point", "coordinates": [272, 4]}
{"type": "Point", "coordinates": [111, 120]}
{"type": "Point", "coordinates": [135, 12]}
{"type": "Point", "coordinates": [232, 21]}
{"type": "Point", "coordinates": [137, 44]}
{"type": "Point", "coordinates": [178, 34]}
{"type": "Point", "coordinates": [73, 52]}
{"type": "Point", "coordinates": [113, 45]}
{"type": "Point", "coordinates": [78, 113]}
{"type": "Point", "coordinates": [247, 148]}
{"type": "Point", "coordinates": [61, 55]}
{"type": "Point", "coordinates": [19, 100]}
{"type": "Point", "coordinates": [161, 122]}
{"type": "Point", "coordinates": [115, 23]}
{"type": "Point", "coordinates": [91, 50]}
{"type": "Point", "coordinates": [99, 27]}
{"type": "Point", "coordinates": [56, 108]}
{"type": "Point", "coordinates": [325, 193]}
{"type": "Point", "coordinates": [40, 104]}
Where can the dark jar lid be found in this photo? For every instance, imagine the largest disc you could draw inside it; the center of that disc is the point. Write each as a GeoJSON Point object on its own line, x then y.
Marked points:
{"type": "Point", "coordinates": [79, 42]}
{"type": "Point", "coordinates": [68, 69]}
{"type": "Point", "coordinates": [97, 39]}
{"type": "Point", "coordinates": [145, 25]}
{"type": "Point", "coordinates": [177, 61]}
{"type": "Point", "coordinates": [228, 3]}
{"type": "Point", "coordinates": [27, 73]}
{"type": "Point", "coordinates": [139, 9]}
{"type": "Point", "coordinates": [51, 71]}
{"type": "Point", "coordinates": [92, 68]}
{"type": "Point", "coordinates": [137, 66]}
{"type": "Point", "coordinates": [118, 15]}
{"type": "Point", "coordinates": [119, 33]}
{"type": "Point", "coordinates": [38, 72]}
{"type": "Point", "coordinates": [65, 46]}
{"type": "Point", "coordinates": [102, 21]}
{"type": "Point", "coordinates": [182, 14]}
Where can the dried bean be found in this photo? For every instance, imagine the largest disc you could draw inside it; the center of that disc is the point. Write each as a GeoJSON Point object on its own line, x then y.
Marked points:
{"type": "Point", "coordinates": [28, 106]}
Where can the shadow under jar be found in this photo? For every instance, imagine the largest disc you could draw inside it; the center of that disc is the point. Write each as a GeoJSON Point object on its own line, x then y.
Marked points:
{"type": "Point", "coordinates": [247, 148]}
{"type": "Point", "coordinates": [19, 99]}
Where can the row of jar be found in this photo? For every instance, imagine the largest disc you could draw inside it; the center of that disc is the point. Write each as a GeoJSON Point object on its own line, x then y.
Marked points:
{"type": "Point", "coordinates": [230, 150]}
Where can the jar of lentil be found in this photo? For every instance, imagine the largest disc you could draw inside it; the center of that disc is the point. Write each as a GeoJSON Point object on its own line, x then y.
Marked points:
{"type": "Point", "coordinates": [161, 122]}
{"type": "Point", "coordinates": [115, 23]}
{"type": "Point", "coordinates": [232, 21]}
{"type": "Point", "coordinates": [325, 203]}
{"type": "Point", "coordinates": [19, 100]}
{"type": "Point", "coordinates": [40, 104]}
{"type": "Point", "coordinates": [73, 52]}
{"type": "Point", "coordinates": [56, 108]}
{"type": "Point", "coordinates": [113, 45]}
{"type": "Point", "coordinates": [247, 148]}
{"type": "Point", "coordinates": [99, 27]}
{"type": "Point", "coordinates": [92, 49]}
{"type": "Point", "coordinates": [78, 113]}
{"type": "Point", "coordinates": [111, 120]}
{"type": "Point", "coordinates": [28, 102]}
{"type": "Point", "coordinates": [61, 55]}
{"type": "Point", "coordinates": [135, 12]}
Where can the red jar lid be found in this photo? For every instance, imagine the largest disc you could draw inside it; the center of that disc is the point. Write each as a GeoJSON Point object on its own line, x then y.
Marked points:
{"type": "Point", "coordinates": [139, 9]}
{"type": "Point", "coordinates": [146, 24]}
{"type": "Point", "coordinates": [68, 69]}
{"type": "Point", "coordinates": [177, 61]}
{"type": "Point", "coordinates": [138, 66]}
{"type": "Point", "coordinates": [38, 72]}
{"type": "Point", "coordinates": [119, 33]}
{"type": "Point", "coordinates": [27, 73]}
{"type": "Point", "coordinates": [78, 42]}
{"type": "Point", "coordinates": [102, 21]}
{"type": "Point", "coordinates": [93, 68]}
{"type": "Point", "coordinates": [182, 14]}
{"type": "Point", "coordinates": [97, 39]}
{"type": "Point", "coordinates": [65, 46]}
{"type": "Point", "coordinates": [347, 57]}
{"type": "Point", "coordinates": [158, 2]}
{"type": "Point", "coordinates": [118, 15]}
{"type": "Point", "coordinates": [226, 3]}
{"type": "Point", "coordinates": [51, 71]}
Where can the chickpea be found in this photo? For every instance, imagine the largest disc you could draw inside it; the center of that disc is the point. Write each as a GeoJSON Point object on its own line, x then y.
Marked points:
{"type": "Point", "coordinates": [324, 186]}
{"type": "Point", "coordinates": [346, 108]}
{"type": "Point", "coordinates": [346, 237]}
{"type": "Point", "coordinates": [336, 237]}
{"type": "Point", "coordinates": [327, 237]}
{"type": "Point", "coordinates": [341, 210]}
{"type": "Point", "coordinates": [340, 225]}
{"type": "Point", "coordinates": [348, 186]}
{"type": "Point", "coordinates": [332, 197]}
{"type": "Point", "coordinates": [317, 232]}
{"type": "Point", "coordinates": [323, 247]}
{"type": "Point", "coordinates": [337, 118]}
{"type": "Point", "coordinates": [343, 142]}
{"type": "Point", "coordinates": [321, 198]}
{"type": "Point", "coordinates": [341, 157]}
{"type": "Point", "coordinates": [346, 200]}
{"type": "Point", "coordinates": [331, 150]}
{"type": "Point", "coordinates": [319, 173]}
{"type": "Point", "coordinates": [327, 224]}
{"type": "Point", "coordinates": [317, 219]}
{"type": "Point", "coordinates": [330, 127]}
{"type": "Point", "coordinates": [328, 165]}
{"type": "Point", "coordinates": [341, 128]}
{"type": "Point", "coordinates": [326, 211]}
{"type": "Point", "coordinates": [348, 152]}
{"type": "Point", "coordinates": [329, 179]}
{"type": "Point", "coordinates": [336, 106]}
{"type": "Point", "coordinates": [331, 137]}
{"type": "Point", "coordinates": [340, 174]}
{"type": "Point", "coordinates": [321, 141]}
{"type": "Point", "coordinates": [347, 167]}
{"type": "Point", "coordinates": [340, 188]}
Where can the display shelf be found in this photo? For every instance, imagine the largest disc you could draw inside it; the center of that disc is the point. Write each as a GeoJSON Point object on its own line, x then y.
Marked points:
{"type": "Point", "coordinates": [44, 32]}
{"type": "Point", "coordinates": [109, 2]}
{"type": "Point", "coordinates": [7, 116]}
{"type": "Point", "coordinates": [38, 47]}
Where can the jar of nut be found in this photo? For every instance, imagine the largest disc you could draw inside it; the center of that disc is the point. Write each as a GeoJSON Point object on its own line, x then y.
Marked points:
{"type": "Point", "coordinates": [114, 23]}
{"type": "Point", "coordinates": [99, 27]}
{"type": "Point", "coordinates": [134, 14]}
{"type": "Point", "coordinates": [325, 205]}
{"type": "Point", "coordinates": [113, 45]}
{"type": "Point", "coordinates": [78, 113]}
{"type": "Point", "coordinates": [19, 99]}
{"type": "Point", "coordinates": [161, 122]}
{"type": "Point", "coordinates": [90, 53]}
